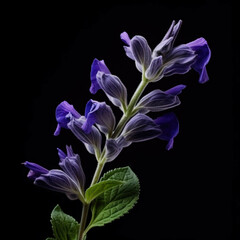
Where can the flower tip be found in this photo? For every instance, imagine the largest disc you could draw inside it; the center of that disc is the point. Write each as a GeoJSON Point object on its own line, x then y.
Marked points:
{"type": "Point", "coordinates": [125, 38]}
{"type": "Point", "coordinates": [170, 144]}
{"type": "Point", "coordinates": [57, 131]}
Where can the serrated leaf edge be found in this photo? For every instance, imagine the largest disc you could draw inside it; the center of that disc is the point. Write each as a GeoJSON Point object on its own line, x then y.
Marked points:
{"type": "Point", "coordinates": [135, 201]}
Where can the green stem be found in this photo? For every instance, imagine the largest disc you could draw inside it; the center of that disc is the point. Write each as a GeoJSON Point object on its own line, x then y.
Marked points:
{"type": "Point", "coordinates": [129, 112]}
{"type": "Point", "coordinates": [83, 222]}
{"type": "Point", "coordinates": [85, 207]}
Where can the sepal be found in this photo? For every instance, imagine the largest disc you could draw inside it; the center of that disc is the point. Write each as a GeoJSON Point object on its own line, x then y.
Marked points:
{"type": "Point", "coordinates": [113, 88]}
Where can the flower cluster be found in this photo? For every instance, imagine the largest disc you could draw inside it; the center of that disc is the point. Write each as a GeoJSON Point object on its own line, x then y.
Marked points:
{"type": "Point", "coordinates": [99, 120]}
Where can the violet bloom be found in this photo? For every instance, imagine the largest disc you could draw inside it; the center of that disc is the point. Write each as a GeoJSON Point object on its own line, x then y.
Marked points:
{"type": "Point", "coordinates": [70, 180]}
{"type": "Point", "coordinates": [138, 50]}
{"type": "Point", "coordinates": [165, 59]}
{"type": "Point", "coordinates": [203, 52]}
{"type": "Point", "coordinates": [158, 100]}
{"type": "Point", "coordinates": [112, 86]}
{"type": "Point", "coordinates": [97, 66]}
{"type": "Point", "coordinates": [91, 140]}
{"type": "Point", "coordinates": [62, 113]}
{"type": "Point", "coordinates": [169, 125]}
{"type": "Point", "coordinates": [140, 128]}
{"type": "Point", "coordinates": [101, 114]}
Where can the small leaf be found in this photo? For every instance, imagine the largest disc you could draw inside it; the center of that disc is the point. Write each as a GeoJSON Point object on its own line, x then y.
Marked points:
{"type": "Point", "coordinates": [64, 226]}
{"type": "Point", "coordinates": [117, 201]}
{"type": "Point", "coordinates": [98, 188]}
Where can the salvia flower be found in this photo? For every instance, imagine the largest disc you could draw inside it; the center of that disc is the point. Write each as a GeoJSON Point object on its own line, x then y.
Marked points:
{"type": "Point", "coordinates": [97, 66]}
{"type": "Point", "coordinates": [168, 123]}
{"type": "Point", "coordinates": [113, 88]}
{"type": "Point", "coordinates": [138, 50]}
{"type": "Point", "coordinates": [101, 114]}
{"type": "Point", "coordinates": [70, 180]}
{"type": "Point", "coordinates": [165, 59]}
{"type": "Point", "coordinates": [140, 128]}
{"type": "Point", "coordinates": [158, 100]}
{"type": "Point", "coordinates": [62, 113]}
{"type": "Point", "coordinates": [201, 48]}
{"type": "Point", "coordinates": [168, 40]}
{"type": "Point", "coordinates": [91, 140]}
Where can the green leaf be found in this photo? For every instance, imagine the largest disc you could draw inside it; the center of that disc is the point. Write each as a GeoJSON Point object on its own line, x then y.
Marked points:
{"type": "Point", "coordinates": [98, 188]}
{"type": "Point", "coordinates": [117, 201]}
{"type": "Point", "coordinates": [64, 226]}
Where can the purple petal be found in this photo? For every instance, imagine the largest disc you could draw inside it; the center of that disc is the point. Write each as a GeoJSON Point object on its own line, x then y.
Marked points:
{"type": "Point", "coordinates": [35, 170]}
{"type": "Point", "coordinates": [61, 154]}
{"type": "Point", "coordinates": [97, 66]}
{"type": "Point", "coordinates": [125, 38]}
{"type": "Point", "coordinates": [71, 165]}
{"type": "Point", "coordinates": [157, 101]}
{"type": "Point", "coordinates": [168, 41]}
{"type": "Point", "coordinates": [113, 88]}
{"type": "Point", "coordinates": [129, 52]}
{"type": "Point", "coordinates": [176, 90]}
{"type": "Point", "coordinates": [70, 152]}
{"type": "Point", "coordinates": [169, 125]}
{"type": "Point", "coordinates": [140, 128]}
{"type": "Point", "coordinates": [91, 140]}
{"type": "Point", "coordinates": [141, 51]}
{"type": "Point", "coordinates": [201, 48]}
{"type": "Point", "coordinates": [153, 70]}
{"type": "Point", "coordinates": [59, 181]}
{"type": "Point", "coordinates": [101, 114]}
{"type": "Point", "coordinates": [62, 111]}
{"type": "Point", "coordinates": [179, 60]}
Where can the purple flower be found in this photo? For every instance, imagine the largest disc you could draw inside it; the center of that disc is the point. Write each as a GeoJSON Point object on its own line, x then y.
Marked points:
{"type": "Point", "coordinates": [97, 66]}
{"type": "Point", "coordinates": [35, 170]}
{"type": "Point", "coordinates": [91, 140]}
{"type": "Point", "coordinates": [201, 48]}
{"type": "Point", "coordinates": [167, 42]}
{"type": "Point", "coordinates": [62, 113]}
{"type": "Point", "coordinates": [140, 128]}
{"type": "Point", "coordinates": [169, 126]}
{"type": "Point", "coordinates": [165, 59]}
{"type": "Point", "coordinates": [138, 50]}
{"type": "Point", "coordinates": [158, 100]}
{"type": "Point", "coordinates": [101, 114]}
{"type": "Point", "coordinates": [113, 88]}
{"type": "Point", "coordinates": [178, 61]}
{"type": "Point", "coordinates": [70, 180]}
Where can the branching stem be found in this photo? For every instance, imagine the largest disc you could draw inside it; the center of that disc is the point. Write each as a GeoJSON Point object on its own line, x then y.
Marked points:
{"type": "Point", "coordinates": [128, 113]}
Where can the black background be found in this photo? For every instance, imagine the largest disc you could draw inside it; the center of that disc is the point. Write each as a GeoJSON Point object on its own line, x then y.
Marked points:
{"type": "Point", "coordinates": [190, 192]}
